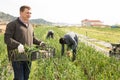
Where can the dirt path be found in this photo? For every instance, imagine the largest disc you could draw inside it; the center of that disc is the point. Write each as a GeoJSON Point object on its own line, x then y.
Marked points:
{"type": "Point", "coordinates": [101, 46]}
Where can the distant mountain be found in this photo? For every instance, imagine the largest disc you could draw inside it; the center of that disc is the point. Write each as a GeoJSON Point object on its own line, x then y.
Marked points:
{"type": "Point", "coordinates": [40, 21]}
{"type": "Point", "coordinates": [7, 18]}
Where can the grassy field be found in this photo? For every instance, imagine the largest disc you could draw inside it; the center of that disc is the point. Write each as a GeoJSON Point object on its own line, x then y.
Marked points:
{"type": "Point", "coordinates": [89, 65]}
{"type": "Point", "coordinates": [106, 34]}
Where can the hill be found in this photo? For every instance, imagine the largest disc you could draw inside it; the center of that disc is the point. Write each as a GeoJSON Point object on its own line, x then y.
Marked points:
{"type": "Point", "coordinates": [7, 18]}
{"type": "Point", "coordinates": [40, 21]}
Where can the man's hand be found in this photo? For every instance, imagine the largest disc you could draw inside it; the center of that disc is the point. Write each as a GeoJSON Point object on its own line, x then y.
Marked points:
{"type": "Point", "coordinates": [21, 48]}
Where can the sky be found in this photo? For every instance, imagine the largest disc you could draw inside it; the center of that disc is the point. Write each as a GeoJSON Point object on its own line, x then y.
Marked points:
{"type": "Point", "coordinates": [67, 11]}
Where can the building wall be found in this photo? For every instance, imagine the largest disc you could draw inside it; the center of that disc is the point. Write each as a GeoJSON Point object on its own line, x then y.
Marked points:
{"type": "Point", "coordinates": [2, 28]}
{"type": "Point", "coordinates": [87, 22]}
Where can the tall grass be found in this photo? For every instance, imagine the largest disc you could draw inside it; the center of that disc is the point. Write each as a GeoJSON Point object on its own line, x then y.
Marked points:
{"type": "Point", "coordinates": [89, 65]}
{"type": "Point", "coordinates": [5, 66]}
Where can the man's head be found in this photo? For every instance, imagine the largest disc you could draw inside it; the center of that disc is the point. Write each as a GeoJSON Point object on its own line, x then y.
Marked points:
{"type": "Point", "coordinates": [25, 13]}
{"type": "Point", "coordinates": [62, 41]}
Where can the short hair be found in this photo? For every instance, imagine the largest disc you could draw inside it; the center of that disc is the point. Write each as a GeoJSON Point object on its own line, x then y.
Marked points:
{"type": "Point", "coordinates": [61, 41]}
{"type": "Point", "coordinates": [22, 8]}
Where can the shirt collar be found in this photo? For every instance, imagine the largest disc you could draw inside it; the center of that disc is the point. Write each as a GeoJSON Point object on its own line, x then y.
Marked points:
{"type": "Point", "coordinates": [27, 24]}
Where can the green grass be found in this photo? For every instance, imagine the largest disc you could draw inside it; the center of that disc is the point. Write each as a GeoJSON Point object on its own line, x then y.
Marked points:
{"type": "Point", "coordinates": [106, 34]}
{"type": "Point", "coordinates": [89, 65]}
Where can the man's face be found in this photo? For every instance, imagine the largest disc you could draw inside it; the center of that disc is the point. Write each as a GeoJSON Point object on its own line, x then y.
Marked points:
{"type": "Point", "coordinates": [26, 14]}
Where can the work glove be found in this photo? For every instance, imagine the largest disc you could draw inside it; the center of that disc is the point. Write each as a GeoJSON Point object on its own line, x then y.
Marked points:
{"type": "Point", "coordinates": [42, 44]}
{"type": "Point", "coordinates": [21, 48]}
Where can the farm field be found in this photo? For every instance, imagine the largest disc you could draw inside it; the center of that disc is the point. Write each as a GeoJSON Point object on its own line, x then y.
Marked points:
{"type": "Point", "coordinates": [89, 65]}
{"type": "Point", "coordinates": [105, 34]}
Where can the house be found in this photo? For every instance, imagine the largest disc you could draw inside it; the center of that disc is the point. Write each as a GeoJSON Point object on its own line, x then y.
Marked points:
{"type": "Point", "coordinates": [3, 26]}
{"type": "Point", "coordinates": [87, 22]}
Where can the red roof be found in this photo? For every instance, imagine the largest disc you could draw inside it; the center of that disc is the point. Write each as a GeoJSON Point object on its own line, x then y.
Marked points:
{"type": "Point", "coordinates": [91, 20]}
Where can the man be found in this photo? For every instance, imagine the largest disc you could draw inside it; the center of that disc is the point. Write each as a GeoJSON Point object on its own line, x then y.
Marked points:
{"type": "Point", "coordinates": [50, 34]}
{"type": "Point", "coordinates": [19, 33]}
{"type": "Point", "coordinates": [71, 40]}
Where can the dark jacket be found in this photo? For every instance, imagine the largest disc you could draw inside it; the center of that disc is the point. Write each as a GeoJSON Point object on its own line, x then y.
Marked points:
{"type": "Point", "coordinates": [17, 32]}
{"type": "Point", "coordinates": [71, 40]}
{"type": "Point", "coordinates": [50, 34]}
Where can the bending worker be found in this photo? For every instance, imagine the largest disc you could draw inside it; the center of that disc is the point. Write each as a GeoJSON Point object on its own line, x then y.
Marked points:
{"type": "Point", "coordinates": [71, 40]}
